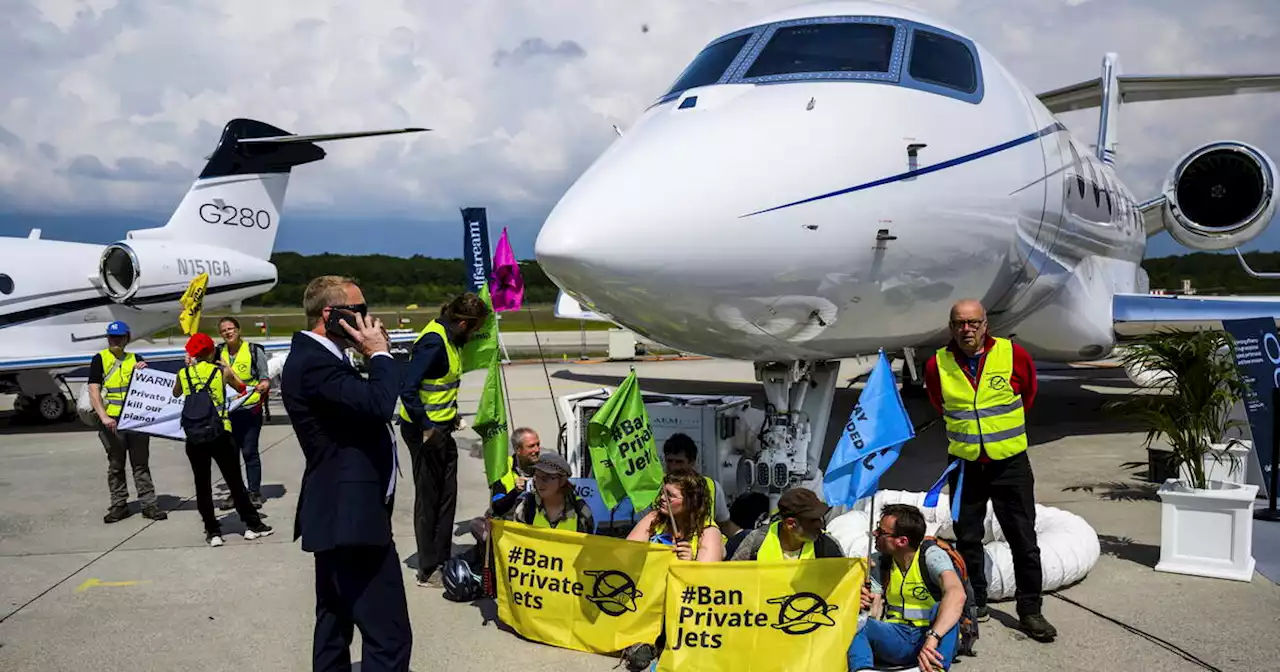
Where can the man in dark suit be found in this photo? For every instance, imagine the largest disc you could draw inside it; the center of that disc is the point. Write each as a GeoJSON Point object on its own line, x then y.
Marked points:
{"type": "Point", "coordinates": [342, 422]}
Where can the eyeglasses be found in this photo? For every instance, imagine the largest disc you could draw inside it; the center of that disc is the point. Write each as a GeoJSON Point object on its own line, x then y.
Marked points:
{"type": "Point", "coordinates": [880, 532]}
{"type": "Point", "coordinates": [362, 308]}
{"type": "Point", "coordinates": [960, 324]}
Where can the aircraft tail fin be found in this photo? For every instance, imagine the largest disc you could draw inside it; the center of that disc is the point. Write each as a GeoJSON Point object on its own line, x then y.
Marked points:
{"type": "Point", "coordinates": [1110, 108]}
{"type": "Point", "coordinates": [237, 199]}
{"type": "Point", "coordinates": [1112, 89]}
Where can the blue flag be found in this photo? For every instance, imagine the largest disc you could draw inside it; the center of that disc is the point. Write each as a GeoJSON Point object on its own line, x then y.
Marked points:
{"type": "Point", "coordinates": [871, 441]}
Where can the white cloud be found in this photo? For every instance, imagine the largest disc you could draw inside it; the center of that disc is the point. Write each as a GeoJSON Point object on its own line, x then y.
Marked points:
{"type": "Point", "coordinates": [109, 101]}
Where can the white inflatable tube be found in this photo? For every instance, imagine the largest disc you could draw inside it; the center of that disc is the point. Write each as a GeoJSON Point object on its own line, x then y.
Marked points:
{"type": "Point", "coordinates": [1068, 544]}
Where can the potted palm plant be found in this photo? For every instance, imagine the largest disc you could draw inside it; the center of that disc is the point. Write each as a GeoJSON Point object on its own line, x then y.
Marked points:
{"type": "Point", "coordinates": [1206, 524]}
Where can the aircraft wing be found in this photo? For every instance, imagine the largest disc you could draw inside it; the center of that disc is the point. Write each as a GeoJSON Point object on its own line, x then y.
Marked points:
{"type": "Point", "coordinates": [55, 362]}
{"type": "Point", "coordinates": [1139, 314]}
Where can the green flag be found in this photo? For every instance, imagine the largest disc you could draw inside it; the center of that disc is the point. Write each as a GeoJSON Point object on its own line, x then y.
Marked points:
{"type": "Point", "coordinates": [483, 344]}
{"type": "Point", "coordinates": [624, 457]}
{"type": "Point", "coordinates": [491, 422]}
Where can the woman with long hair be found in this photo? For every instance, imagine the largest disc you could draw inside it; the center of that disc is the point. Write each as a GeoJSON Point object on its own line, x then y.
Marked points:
{"type": "Point", "coordinates": [684, 499]}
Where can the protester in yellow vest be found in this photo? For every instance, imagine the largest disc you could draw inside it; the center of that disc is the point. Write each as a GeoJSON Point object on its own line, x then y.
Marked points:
{"type": "Point", "coordinates": [680, 452]}
{"type": "Point", "coordinates": [110, 373]}
{"type": "Point", "coordinates": [526, 446]}
{"type": "Point", "coordinates": [795, 534]}
{"type": "Point", "coordinates": [249, 361]}
{"type": "Point", "coordinates": [552, 503]}
{"type": "Point", "coordinates": [428, 418]}
{"type": "Point", "coordinates": [200, 373]}
{"type": "Point", "coordinates": [982, 386]}
{"type": "Point", "coordinates": [684, 496]}
{"type": "Point", "coordinates": [923, 598]}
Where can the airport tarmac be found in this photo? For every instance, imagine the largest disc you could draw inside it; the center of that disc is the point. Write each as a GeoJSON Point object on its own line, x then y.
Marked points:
{"type": "Point", "coordinates": [141, 595]}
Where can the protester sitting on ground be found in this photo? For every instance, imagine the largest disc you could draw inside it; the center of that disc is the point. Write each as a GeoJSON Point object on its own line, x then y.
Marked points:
{"type": "Point", "coordinates": [504, 492]}
{"type": "Point", "coordinates": [795, 534]}
{"type": "Point", "coordinates": [680, 452]}
{"type": "Point", "coordinates": [684, 496]}
{"type": "Point", "coordinates": [201, 373]}
{"type": "Point", "coordinates": [553, 502]}
{"type": "Point", "coordinates": [923, 602]}
{"type": "Point", "coordinates": [746, 513]}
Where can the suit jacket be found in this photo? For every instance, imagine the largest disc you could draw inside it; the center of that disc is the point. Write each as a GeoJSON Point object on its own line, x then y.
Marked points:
{"type": "Point", "coordinates": [341, 421]}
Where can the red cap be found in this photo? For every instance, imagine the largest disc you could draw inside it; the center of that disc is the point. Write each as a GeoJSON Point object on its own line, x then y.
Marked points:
{"type": "Point", "coordinates": [199, 344]}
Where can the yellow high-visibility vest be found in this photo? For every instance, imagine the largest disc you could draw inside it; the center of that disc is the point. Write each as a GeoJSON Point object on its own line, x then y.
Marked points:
{"type": "Point", "coordinates": [907, 599]}
{"type": "Point", "coordinates": [771, 549]}
{"type": "Point", "coordinates": [193, 378]}
{"type": "Point", "coordinates": [570, 518]}
{"type": "Point", "coordinates": [990, 416]}
{"type": "Point", "coordinates": [439, 396]}
{"type": "Point", "coordinates": [116, 386]}
{"type": "Point", "coordinates": [242, 364]}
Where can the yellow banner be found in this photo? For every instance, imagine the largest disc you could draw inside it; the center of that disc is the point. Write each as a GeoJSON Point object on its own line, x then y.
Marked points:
{"type": "Point", "coordinates": [762, 616]}
{"type": "Point", "coordinates": [579, 591]}
{"type": "Point", "coordinates": [192, 303]}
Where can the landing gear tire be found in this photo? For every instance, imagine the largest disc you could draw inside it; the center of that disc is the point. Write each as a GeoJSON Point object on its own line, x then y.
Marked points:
{"type": "Point", "coordinates": [42, 408]}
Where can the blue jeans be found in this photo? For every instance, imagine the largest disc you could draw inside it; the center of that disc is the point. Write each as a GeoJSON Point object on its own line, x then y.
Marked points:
{"type": "Point", "coordinates": [896, 644]}
{"type": "Point", "coordinates": [245, 428]}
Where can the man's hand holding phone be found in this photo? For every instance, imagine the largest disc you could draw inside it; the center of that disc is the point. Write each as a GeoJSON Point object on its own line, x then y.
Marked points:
{"type": "Point", "coordinates": [369, 336]}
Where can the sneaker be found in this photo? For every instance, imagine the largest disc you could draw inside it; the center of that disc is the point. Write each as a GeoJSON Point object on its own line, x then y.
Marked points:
{"type": "Point", "coordinates": [1038, 628]}
{"type": "Point", "coordinates": [259, 530]}
{"type": "Point", "coordinates": [256, 499]}
{"type": "Point", "coordinates": [116, 514]}
{"type": "Point", "coordinates": [154, 513]}
{"type": "Point", "coordinates": [984, 614]}
{"type": "Point", "coordinates": [226, 504]}
{"type": "Point", "coordinates": [214, 540]}
{"type": "Point", "coordinates": [432, 580]}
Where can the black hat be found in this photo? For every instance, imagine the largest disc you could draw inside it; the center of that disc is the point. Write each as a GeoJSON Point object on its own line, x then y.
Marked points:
{"type": "Point", "coordinates": [802, 503]}
{"type": "Point", "coordinates": [552, 463]}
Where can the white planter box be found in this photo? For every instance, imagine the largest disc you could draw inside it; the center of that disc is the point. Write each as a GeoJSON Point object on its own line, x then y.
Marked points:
{"type": "Point", "coordinates": [1207, 532]}
{"type": "Point", "coordinates": [1222, 469]}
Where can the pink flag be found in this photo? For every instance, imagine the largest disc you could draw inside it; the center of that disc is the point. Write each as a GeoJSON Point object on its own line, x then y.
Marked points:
{"type": "Point", "coordinates": [508, 287]}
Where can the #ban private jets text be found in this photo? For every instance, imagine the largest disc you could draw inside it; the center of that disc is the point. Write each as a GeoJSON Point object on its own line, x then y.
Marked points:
{"type": "Point", "coordinates": [828, 180]}
{"type": "Point", "coordinates": [56, 297]}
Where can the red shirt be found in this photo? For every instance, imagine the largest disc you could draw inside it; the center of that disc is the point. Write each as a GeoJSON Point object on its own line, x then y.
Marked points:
{"type": "Point", "coordinates": [1023, 378]}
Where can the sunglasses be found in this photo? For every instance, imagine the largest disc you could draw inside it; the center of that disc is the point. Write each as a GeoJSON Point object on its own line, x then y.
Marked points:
{"type": "Point", "coordinates": [362, 308]}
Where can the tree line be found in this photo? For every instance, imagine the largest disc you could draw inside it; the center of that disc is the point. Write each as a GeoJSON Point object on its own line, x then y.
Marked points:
{"type": "Point", "coordinates": [1214, 273]}
{"type": "Point", "coordinates": [389, 281]}
{"type": "Point", "coordinates": [428, 281]}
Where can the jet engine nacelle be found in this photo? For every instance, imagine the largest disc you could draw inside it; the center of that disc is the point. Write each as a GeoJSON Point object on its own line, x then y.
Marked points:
{"type": "Point", "coordinates": [1219, 196]}
{"type": "Point", "coordinates": [153, 274]}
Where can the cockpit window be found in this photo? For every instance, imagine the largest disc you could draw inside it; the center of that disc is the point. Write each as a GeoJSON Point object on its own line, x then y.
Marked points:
{"type": "Point", "coordinates": [828, 47]}
{"type": "Point", "coordinates": [940, 60]}
{"type": "Point", "coordinates": [709, 65]}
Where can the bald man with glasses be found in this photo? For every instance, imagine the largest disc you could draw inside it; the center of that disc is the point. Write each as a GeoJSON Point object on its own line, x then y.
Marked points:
{"type": "Point", "coordinates": [982, 386]}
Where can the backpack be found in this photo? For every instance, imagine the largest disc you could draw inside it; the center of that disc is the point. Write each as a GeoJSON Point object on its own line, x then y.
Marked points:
{"type": "Point", "coordinates": [201, 420]}
{"type": "Point", "coordinates": [968, 623]}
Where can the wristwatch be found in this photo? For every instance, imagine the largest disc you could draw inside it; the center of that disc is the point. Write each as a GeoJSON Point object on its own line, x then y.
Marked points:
{"type": "Point", "coordinates": [935, 635]}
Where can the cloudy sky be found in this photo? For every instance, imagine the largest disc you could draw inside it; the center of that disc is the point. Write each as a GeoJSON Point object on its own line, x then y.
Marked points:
{"type": "Point", "coordinates": [107, 107]}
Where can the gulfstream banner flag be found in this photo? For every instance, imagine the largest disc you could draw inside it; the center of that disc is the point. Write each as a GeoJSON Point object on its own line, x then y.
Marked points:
{"type": "Point", "coordinates": [475, 248]}
{"type": "Point", "coordinates": [579, 591]}
{"type": "Point", "coordinates": [758, 616]}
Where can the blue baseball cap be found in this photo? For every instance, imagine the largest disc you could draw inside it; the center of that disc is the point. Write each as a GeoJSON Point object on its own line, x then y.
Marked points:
{"type": "Point", "coordinates": [117, 328]}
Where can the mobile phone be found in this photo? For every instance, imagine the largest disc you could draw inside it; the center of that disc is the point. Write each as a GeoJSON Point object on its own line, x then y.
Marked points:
{"type": "Point", "coordinates": [333, 325]}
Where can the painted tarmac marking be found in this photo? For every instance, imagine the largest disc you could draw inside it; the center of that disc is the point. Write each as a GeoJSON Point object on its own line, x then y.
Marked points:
{"type": "Point", "coordinates": [92, 583]}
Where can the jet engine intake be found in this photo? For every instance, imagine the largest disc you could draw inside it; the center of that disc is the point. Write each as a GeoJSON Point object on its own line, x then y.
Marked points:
{"type": "Point", "coordinates": [1219, 196]}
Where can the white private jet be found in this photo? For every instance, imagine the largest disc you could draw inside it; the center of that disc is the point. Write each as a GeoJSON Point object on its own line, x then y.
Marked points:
{"type": "Point", "coordinates": [828, 180]}
{"type": "Point", "coordinates": [56, 297]}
